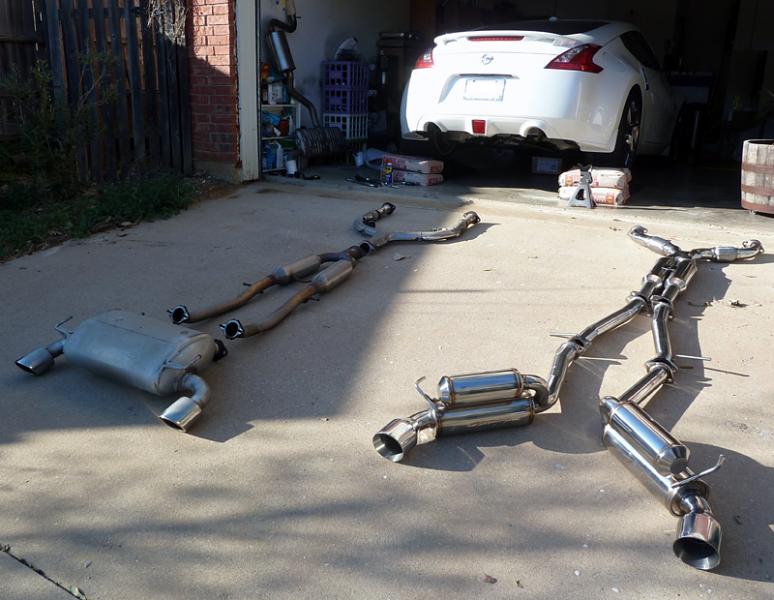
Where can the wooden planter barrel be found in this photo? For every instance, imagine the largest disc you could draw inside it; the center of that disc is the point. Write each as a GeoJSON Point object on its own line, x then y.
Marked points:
{"type": "Point", "coordinates": [758, 175]}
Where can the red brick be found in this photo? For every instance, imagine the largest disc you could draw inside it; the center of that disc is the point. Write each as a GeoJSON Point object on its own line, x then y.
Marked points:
{"type": "Point", "coordinates": [219, 37]}
{"type": "Point", "coordinates": [202, 10]}
{"type": "Point", "coordinates": [217, 20]}
{"type": "Point", "coordinates": [220, 9]}
{"type": "Point", "coordinates": [224, 49]}
{"type": "Point", "coordinates": [198, 51]}
{"type": "Point", "coordinates": [219, 60]}
{"type": "Point", "coordinates": [199, 20]}
{"type": "Point", "coordinates": [223, 119]}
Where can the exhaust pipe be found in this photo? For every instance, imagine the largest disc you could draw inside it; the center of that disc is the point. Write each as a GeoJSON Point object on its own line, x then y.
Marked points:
{"type": "Point", "coordinates": [141, 352]}
{"type": "Point", "coordinates": [321, 283]}
{"type": "Point", "coordinates": [466, 403]}
{"type": "Point", "coordinates": [468, 220]}
{"type": "Point", "coordinates": [341, 267]}
{"type": "Point", "coordinates": [651, 453]}
{"type": "Point", "coordinates": [41, 360]}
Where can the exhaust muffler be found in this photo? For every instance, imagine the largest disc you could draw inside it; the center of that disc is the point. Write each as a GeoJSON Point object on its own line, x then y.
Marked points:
{"type": "Point", "coordinates": [466, 403]}
{"type": "Point", "coordinates": [684, 494]}
{"type": "Point", "coordinates": [141, 352]}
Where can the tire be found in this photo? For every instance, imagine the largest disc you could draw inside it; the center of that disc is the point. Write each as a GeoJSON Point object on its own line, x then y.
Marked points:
{"type": "Point", "coordinates": [442, 146]}
{"type": "Point", "coordinates": [628, 135]}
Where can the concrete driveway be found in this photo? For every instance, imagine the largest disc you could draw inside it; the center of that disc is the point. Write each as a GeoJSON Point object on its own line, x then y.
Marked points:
{"type": "Point", "coordinates": [278, 493]}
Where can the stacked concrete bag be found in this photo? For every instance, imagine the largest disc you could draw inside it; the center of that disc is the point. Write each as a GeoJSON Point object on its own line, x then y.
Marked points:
{"type": "Point", "coordinates": [413, 170]}
{"type": "Point", "coordinates": [609, 187]}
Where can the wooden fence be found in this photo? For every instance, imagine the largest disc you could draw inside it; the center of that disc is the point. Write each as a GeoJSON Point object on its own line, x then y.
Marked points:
{"type": "Point", "coordinates": [127, 74]}
{"type": "Point", "coordinates": [20, 45]}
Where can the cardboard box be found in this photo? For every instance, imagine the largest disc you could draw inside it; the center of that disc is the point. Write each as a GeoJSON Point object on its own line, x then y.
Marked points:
{"type": "Point", "coordinates": [416, 164]}
{"type": "Point", "coordinates": [602, 196]}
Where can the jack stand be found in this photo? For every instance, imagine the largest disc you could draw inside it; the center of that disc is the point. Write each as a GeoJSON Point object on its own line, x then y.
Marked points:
{"type": "Point", "coordinates": [581, 196]}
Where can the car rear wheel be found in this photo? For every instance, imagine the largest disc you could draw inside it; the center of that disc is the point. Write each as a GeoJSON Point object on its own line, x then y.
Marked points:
{"type": "Point", "coordinates": [443, 146]}
{"type": "Point", "coordinates": [628, 135]}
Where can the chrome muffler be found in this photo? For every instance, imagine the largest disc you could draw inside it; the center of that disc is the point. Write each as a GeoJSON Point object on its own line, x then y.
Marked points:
{"type": "Point", "coordinates": [141, 352]}
{"type": "Point", "coordinates": [684, 494]}
{"type": "Point", "coordinates": [466, 404]}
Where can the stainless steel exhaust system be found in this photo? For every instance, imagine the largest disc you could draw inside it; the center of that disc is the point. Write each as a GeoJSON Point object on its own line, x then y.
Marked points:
{"type": "Point", "coordinates": [343, 263]}
{"type": "Point", "coordinates": [145, 353]}
{"type": "Point", "coordinates": [649, 451]}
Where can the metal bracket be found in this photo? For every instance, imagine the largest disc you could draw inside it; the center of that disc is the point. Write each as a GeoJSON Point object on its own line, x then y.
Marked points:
{"type": "Point", "coordinates": [682, 482]}
{"type": "Point", "coordinates": [434, 404]}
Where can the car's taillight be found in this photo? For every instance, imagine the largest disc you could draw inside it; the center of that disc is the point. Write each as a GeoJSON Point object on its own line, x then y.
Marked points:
{"type": "Point", "coordinates": [425, 61]}
{"type": "Point", "coordinates": [578, 58]}
{"type": "Point", "coordinates": [497, 38]}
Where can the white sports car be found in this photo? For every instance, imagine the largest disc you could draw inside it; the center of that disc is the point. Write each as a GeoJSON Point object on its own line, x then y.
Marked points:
{"type": "Point", "coordinates": [571, 84]}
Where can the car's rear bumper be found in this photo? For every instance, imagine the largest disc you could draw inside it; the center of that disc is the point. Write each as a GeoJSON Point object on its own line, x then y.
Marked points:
{"type": "Point", "coordinates": [588, 138]}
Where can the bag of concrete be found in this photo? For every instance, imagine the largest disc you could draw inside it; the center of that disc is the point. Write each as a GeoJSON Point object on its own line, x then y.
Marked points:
{"type": "Point", "coordinates": [602, 196]}
{"type": "Point", "coordinates": [601, 178]}
{"type": "Point", "coordinates": [412, 178]}
{"type": "Point", "coordinates": [414, 163]}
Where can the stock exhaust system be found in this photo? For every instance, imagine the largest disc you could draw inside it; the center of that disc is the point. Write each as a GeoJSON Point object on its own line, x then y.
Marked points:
{"type": "Point", "coordinates": [141, 352]}
{"type": "Point", "coordinates": [479, 401]}
{"type": "Point", "coordinates": [338, 267]}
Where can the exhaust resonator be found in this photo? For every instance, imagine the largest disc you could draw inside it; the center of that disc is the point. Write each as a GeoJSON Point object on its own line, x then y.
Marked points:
{"type": "Point", "coordinates": [141, 352]}
{"type": "Point", "coordinates": [650, 452]}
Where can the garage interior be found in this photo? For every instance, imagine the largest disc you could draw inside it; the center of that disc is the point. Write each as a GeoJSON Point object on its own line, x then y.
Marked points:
{"type": "Point", "coordinates": [718, 56]}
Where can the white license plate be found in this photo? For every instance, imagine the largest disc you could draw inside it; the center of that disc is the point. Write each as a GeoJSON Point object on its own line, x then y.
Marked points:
{"type": "Point", "coordinates": [484, 89]}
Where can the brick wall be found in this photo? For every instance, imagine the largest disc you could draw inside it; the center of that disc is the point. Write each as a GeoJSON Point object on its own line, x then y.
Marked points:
{"type": "Point", "coordinates": [212, 52]}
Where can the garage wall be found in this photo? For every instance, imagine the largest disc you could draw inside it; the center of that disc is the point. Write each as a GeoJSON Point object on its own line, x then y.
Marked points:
{"type": "Point", "coordinates": [324, 24]}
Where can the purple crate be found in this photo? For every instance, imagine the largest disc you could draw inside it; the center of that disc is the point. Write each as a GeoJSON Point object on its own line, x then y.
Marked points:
{"type": "Point", "coordinates": [345, 74]}
{"type": "Point", "coordinates": [346, 101]}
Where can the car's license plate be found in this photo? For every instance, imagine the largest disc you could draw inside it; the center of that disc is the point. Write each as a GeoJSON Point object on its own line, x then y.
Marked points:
{"type": "Point", "coordinates": [484, 89]}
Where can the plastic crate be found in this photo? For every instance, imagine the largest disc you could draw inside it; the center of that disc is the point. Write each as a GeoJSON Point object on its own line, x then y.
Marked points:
{"type": "Point", "coordinates": [346, 101]}
{"type": "Point", "coordinates": [355, 127]}
{"type": "Point", "coordinates": [345, 74]}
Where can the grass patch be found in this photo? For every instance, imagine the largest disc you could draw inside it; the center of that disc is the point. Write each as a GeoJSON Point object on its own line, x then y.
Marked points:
{"type": "Point", "coordinates": [32, 218]}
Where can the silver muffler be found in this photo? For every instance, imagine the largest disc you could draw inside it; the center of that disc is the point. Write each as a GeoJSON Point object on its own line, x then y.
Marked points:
{"type": "Point", "coordinates": [650, 452]}
{"type": "Point", "coordinates": [141, 352]}
{"type": "Point", "coordinates": [465, 404]}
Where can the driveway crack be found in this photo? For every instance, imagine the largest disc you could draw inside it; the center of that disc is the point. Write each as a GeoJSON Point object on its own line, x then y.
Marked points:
{"type": "Point", "coordinates": [74, 591]}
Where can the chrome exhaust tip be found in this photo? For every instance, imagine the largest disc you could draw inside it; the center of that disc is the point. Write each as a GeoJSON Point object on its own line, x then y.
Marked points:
{"type": "Point", "coordinates": [698, 540]}
{"type": "Point", "coordinates": [36, 362]}
{"type": "Point", "coordinates": [182, 414]}
{"type": "Point", "coordinates": [395, 439]}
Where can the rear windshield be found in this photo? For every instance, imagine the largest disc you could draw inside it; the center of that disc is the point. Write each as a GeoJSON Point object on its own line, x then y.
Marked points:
{"type": "Point", "coordinates": [559, 27]}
